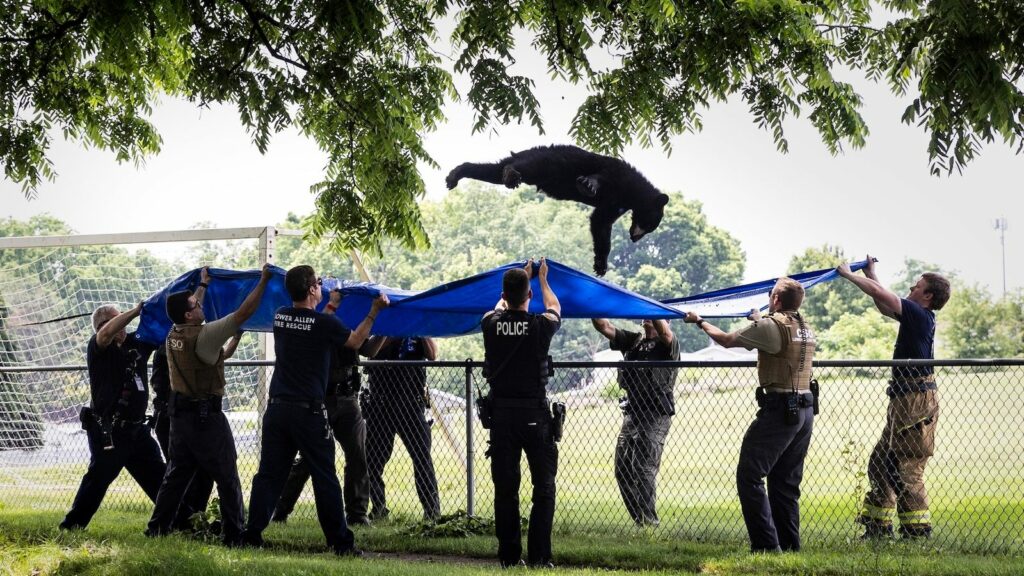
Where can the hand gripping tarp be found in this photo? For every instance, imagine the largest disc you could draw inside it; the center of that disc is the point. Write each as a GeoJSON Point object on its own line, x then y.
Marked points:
{"type": "Point", "coordinates": [451, 309]}
{"type": "Point", "coordinates": [738, 301]}
{"type": "Point", "coordinates": [455, 308]}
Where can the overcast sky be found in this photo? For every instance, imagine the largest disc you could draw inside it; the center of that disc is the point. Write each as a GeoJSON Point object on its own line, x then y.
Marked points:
{"type": "Point", "coordinates": [880, 199]}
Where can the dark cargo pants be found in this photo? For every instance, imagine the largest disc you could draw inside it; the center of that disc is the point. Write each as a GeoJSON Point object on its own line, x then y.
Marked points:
{"type": "Point", "coordinates": [198, 493]}
{"type": "Point", "coordinates": [289, 429]}
{"type": "Point", "coordinates": [514, 431]}
{"type": "Point", "coordinates": [350, 432]}
{"type": "Point", "coordinates": [135, 450]}
{"type": "Point", "coordinates": [774, 450]}
{"type": "Point", "coordinates": [385, 421]}
{"type": "Point", "coordinates": [200, 447]}
{"type": "Point", "coordinates": [638, 453]}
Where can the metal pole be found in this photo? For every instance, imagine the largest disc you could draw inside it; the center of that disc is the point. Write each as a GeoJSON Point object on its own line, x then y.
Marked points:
{"type": "Point", "coordinates": [265, 351]}
{"type": "Point", "coordinates": [1001, 225]}
{"type": "Point", "coordinates": [470, 456]}
{"type": "Point", "coordinates": [1002, 244]}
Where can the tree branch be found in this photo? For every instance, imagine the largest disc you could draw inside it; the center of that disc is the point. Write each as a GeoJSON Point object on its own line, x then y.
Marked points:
{"type": "Point", "coordinates": [61, 30]}
{"type": "Point", "coordinates": [256, 17]}
{"type": "Point", "coordinates": [857, 27]}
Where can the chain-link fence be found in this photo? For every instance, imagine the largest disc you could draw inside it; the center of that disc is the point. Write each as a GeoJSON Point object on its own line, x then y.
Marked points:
{"type": "Point", "coordinates": [975, 480]}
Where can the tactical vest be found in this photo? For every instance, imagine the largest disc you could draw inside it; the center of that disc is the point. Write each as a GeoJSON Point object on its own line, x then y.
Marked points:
{"type": "Point", "coordinates": [190, 376]}
{"type": "Point", "coordinates": [515, 355]}
{"type": "Point", "coordinates": [649, 390]}
{"type": "Point", "coordinates": [396, 382]}
{"type": "Point", "coordinates": [778, 371]}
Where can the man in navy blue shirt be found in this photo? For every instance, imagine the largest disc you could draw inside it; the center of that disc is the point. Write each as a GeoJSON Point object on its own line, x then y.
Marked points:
{"type": "Point", "coordinates": [896, 466]}
{"type": "Point", "coordinates": [296, 419]}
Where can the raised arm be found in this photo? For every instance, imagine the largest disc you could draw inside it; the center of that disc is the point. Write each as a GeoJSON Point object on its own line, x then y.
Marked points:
{"type": "Point", "coordinates": [252, 301]}
{"type": "Point", "coordinates": [887, 302]}
{"type": "Point", "coordinates": [723, 339]}
{"type": "Point", "coordinates": [105, 335]}
{"type": "Point", "coordinates": [232, 345]}
{"type": "Point", "coordinates": [372, 346]}
{"type": "Point", "coordinates": [665, 335]}
{"type": "Point", "coordinates": [869, 268]}
{"type": "Point", "coordinates": [362, 332]}
{"type": "Point", "coordinates": [204, 281]}
{"type": "Point", "coordinates": [603, 326]}
{"type": "Point", "coordinates": [550, 300]}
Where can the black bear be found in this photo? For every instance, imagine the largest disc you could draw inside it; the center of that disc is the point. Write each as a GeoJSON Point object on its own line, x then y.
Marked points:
{"type": "Point", "coordinates": [608, 184]}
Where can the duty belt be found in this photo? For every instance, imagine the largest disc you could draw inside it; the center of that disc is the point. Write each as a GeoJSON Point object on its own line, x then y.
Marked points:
{"type": "Point", "coordinates": [119, 423]}
{"type": "Point", "coordinates": [299, 403]}
{"type": "Point", "coordinates": [186, 404]}
{"type": "Point", "coordinates": [539, 403]}
{"type": "Point", "coordinates": [770, 401]}
{"type": "Point", "coordinates": [901, 387]}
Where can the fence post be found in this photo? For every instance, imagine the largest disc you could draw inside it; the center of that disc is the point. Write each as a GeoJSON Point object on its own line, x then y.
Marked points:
{"type": "Point", "coordinates": [470, 481]}
{"type": "Point", "coordinates": [265, 346]}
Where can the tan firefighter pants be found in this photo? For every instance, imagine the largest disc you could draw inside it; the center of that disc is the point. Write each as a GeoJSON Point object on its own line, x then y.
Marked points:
{"type": "Point", "coordinates": [896, 466]}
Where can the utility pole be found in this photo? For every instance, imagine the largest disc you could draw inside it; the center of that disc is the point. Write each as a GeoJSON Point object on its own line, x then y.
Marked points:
{"type": "Point", "coordinates": [1002, 227]}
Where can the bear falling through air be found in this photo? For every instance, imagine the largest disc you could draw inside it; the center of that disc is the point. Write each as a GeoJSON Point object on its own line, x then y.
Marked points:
{"type": "Point", "coordinates": [608, 184]}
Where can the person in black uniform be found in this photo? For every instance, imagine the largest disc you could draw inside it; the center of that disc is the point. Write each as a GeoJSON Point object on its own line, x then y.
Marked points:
{"type": "Point", "coordinates": [397, 400]}
{"type": "Point", "coordinates": [516, 346]}
{"type": "Point", "coordinates": [200, 435]}
{"type": "Point", "coordinates": [199, 490]}
{"type": "Point", "coordinates": [350, 431]}
{"type": "Point", "coordinates": [647, 413]}
{"type": "Point", "coordinates": [296, 418]}
{"type": "Point", "coordinates": [115, 420]}
{"type": "Point", "coordinates": [776, 442]}
{"type": "Point", "coordinates": [160, 384]}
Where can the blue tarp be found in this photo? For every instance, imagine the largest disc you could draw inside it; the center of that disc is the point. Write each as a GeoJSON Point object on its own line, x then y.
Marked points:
{"type": "Point", "coordinates": [451, 309]}
{"type": "Point", "coordinates": [738, 301]}
{"type": "Point", "coordinates": [455, 308]}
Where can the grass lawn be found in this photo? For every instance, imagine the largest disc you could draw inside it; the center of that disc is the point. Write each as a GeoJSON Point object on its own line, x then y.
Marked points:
{"type": "Point", "coordinates": [975, 484]}
{"type": "Point", "coordinates": [113, 544]}
{"type": "Point", "coordinates": [974, 480]}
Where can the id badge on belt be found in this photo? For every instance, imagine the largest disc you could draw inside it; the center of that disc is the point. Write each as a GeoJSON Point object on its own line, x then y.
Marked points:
{"type": "Point", "coordinates": [138, 384]}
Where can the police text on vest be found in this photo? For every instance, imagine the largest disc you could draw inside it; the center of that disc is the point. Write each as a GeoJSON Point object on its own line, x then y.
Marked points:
{"type": "Point", "coordinates": [512, 328]}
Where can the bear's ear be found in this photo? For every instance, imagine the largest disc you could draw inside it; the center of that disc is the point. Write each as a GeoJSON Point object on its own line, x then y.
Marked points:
{"type": "Point", "coordinates": [661, 200]}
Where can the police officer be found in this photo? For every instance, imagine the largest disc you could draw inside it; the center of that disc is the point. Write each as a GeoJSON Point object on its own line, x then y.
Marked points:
{"type": "Point", "coordinates": [199, 489]}
{"type": "Point", "coordinates": [115, 420]}
{"type": "Point", "coordinates": [516, 346]}
{"type": "Point", "coordinates": [349, 428]}
{"type": "Point", "coordinates": [897, 462]}
{"type": "Point", "coordinates": [776, 443]}
{"type": "Point", "coordinates": [296, 418]}
{"type": "Point", "coordinates": [397, 402]}
{"type": "Point", "coordinates": [200, 435]}
{"type": "Point", "coordinates": [647, 413]}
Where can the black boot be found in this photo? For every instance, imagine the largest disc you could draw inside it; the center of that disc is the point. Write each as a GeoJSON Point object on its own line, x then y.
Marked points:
{"type": "Point", "coordinates": [877, 531]}
{"type": "Point", "coordinates": [916, 532]}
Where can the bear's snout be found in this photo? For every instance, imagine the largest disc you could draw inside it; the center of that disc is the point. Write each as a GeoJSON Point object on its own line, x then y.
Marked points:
{"type": "Point", "coordinates": [636, 233]}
